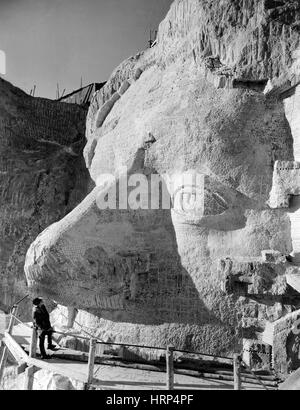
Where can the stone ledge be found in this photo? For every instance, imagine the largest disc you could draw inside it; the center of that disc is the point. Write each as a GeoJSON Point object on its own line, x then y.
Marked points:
{"type": "Point", "coordinates": [264, 276]}
{"type": "Point", "coordinates": [286, 182]}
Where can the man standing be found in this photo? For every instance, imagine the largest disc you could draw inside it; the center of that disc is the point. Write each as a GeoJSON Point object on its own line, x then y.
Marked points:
{"type": "Point", "coordinates": [41, 321]}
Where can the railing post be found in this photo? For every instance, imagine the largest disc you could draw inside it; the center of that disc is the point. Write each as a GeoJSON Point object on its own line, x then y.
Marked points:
{"type": "Point", "coordinates": [91, 363]}
{"type": "Point", "coordinates": [4, 356]}
{"type": "Point", "coordinates": [237, 372]}
{"type": "Point", "coordinates": [3, 359]}
{"type": "Point", "coordinates": [71, 316]}
{"type": "Point", "coordinates": [14, 312]}
{"type": "Point", "coordinates": [33, 343]}
{"type": "Point", "coordinates": [170, 367]}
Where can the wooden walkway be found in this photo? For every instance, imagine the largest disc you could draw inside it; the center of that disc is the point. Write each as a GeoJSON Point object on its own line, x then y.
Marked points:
{"type": "Point", "coordinates": [110, 377]}
{"type": "Point", "coordinates": [20, 341]}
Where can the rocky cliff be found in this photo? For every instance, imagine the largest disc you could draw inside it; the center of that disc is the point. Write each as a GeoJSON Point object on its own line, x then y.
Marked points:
{"type": "Point", "coordinates": [42, 176]}
{"type": "Point", "coordinates": [214, 97]}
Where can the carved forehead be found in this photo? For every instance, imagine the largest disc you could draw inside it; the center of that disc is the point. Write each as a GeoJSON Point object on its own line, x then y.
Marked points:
{"type": "Point", "coordinates": [184, 121]}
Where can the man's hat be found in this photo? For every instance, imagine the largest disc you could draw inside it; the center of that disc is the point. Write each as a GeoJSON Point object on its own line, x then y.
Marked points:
{"type": "Point", "coordinates": [37, 301]}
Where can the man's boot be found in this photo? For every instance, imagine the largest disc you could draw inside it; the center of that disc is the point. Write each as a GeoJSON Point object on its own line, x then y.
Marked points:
{"type": "Point", "coordinates": [42, 349]}
{"type": "Point", "coordinates": [51, 346]}
{"type": "Point", "coordinates": [45, 357]}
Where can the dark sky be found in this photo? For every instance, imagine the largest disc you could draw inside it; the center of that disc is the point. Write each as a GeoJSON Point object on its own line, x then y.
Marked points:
{"type": "Point", "coordinates": [59, 41]}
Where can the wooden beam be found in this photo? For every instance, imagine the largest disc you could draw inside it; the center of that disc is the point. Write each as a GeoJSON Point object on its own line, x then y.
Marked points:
{"type": "Point", "coordinates": [237, 371]}
{"type": "Point", "coordinates": [3, 361]}
{"type": "Point", "coordinates": [12, 319]}
{"type": "Point", "coordinates": [16, 350]}
{"type": "Point", "coordinates": [170, 367]}
{"type": "Point", "coordinates": [33, 343]}
{"type": "Point", "coordinates": [4, 355]}
{"type": "Point", "coordinates": [91, 363]}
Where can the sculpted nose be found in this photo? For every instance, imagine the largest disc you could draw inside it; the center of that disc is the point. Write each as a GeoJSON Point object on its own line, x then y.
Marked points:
{"type": "Point", "coordinates": [84, 260]}
{"type": "Point", "coordinates": [54, 261]}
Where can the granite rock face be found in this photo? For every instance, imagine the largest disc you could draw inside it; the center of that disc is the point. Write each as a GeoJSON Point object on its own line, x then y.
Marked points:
{"type": "Point", "coordinates": [212, 98]}
{"type": "Point", "coordinates": [43, 380]}
{"type": "Point", "coordinates": [42, 176]}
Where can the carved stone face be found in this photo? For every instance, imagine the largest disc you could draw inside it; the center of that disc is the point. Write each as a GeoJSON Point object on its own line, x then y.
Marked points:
{"type": "Point", "coordinates": [158, 266]}
{"type": "Point", "coordinates": [152, 275]}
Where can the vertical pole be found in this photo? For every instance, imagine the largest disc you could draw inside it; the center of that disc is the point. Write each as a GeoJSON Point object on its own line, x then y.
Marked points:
{"type": "Point", "coordinates": [33, 343]}
{"type": "Point", "coordinates": [4, 356]}
{"type": "Point", "coordinates": [170, 367]}
{"type": "Point", "coordinates": [71, 316]}
{"type": "Point", "coordinates": [29, 378]}
{"type": "Point", "coordinates": [91, 363]}
{"type": "Point", "coordinates": [1, 348]}
{"type": "Point", "coordinates": [237, 372]}
{"type": "Point", "coordinates": [3, 361]}
{"type": "Point", "coordinates": [14, 312]}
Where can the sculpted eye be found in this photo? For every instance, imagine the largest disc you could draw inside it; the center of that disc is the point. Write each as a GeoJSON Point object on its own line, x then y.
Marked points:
{"type": "Point", "coordinates": [193, 202]}
{"type": "Point", "coordinates": [209, 203]}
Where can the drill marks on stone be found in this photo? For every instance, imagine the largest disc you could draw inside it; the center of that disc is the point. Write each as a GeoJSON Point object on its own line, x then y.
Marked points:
{"type": "Point", "coordinates": [251, 53]}
{"type": "Point", "coordinates": [109, 303]}
{"type": "Point", "coordinates": [37, 187]}
{"type": "Point", "coordinates": [133, 277]}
